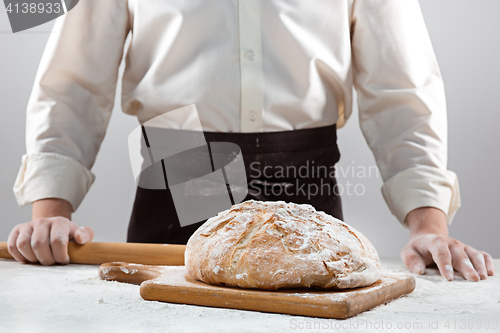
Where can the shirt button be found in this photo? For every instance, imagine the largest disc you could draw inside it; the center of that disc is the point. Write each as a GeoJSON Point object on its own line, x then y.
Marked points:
{"type": "Point", "coordinates": [250, 55]}
{"type": "Point", "coordinates": [252, 116]}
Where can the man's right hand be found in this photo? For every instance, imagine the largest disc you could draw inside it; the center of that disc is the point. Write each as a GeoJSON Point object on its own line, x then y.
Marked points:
{"type": "Point", "coordinates": [45, 238]}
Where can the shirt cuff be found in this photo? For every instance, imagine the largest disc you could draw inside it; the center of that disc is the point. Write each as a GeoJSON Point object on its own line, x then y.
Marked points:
{"type": "Point", "coordinates": [422, 186]}
{"type": "Point", "coordinates": [51, 175]}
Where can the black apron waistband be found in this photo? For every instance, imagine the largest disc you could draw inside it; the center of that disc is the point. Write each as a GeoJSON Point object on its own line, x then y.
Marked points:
{"type": "Point", "coordinates": [280, 141]}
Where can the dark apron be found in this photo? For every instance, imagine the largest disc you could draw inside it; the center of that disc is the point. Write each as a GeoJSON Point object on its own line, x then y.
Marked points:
{"type": "Point", "coordinates": [294, 166]}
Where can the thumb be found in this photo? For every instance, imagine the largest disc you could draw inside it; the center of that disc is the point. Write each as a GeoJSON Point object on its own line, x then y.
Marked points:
{"type": "Point", "coordinates": [413, 260]}
{"type": "Point", "coordinates": [83, 235]}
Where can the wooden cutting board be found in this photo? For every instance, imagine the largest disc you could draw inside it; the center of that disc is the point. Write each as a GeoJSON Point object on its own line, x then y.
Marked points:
{"type": "Point", "coordinates": [173, 284]}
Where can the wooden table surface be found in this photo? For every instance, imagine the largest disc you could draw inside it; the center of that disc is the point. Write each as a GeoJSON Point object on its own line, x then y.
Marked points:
{"type": "Point", "coordinates": [73, 298]}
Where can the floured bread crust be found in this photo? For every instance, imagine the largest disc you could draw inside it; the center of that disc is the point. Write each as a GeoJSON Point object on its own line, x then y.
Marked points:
{"type": "Point", "coordinates": [271, 245]}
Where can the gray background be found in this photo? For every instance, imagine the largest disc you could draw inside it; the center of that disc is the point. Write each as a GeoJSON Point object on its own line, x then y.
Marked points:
{"type": "Point", "coordinates": [465, 38]}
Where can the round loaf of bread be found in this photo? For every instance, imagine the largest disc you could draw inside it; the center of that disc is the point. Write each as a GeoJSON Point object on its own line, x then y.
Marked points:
{"type": "Point", "coordinates": [272, 245]}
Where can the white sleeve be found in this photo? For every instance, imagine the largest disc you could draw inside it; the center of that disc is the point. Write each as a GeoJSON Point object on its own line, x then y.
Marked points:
{"type": "Point", "coordinates": [402, 106]}
{"type": "Point", "coordinates": [71, 102]}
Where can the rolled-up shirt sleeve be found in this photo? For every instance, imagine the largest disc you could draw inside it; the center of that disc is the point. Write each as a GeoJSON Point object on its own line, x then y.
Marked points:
{"type": "Point", "coordinates": [70, 105]}
{"type": "Point", "coordinates": [402, 106]}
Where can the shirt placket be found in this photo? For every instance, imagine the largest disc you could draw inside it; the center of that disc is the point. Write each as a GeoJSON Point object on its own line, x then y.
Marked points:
{"type": "Point", "coordinates": [250, 66]}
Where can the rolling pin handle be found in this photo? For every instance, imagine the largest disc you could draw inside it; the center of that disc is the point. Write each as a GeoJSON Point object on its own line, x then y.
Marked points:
{"type": "Point", "coordinates": [128, 273]}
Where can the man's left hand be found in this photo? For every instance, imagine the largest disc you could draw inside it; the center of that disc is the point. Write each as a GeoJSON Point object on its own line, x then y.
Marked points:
{"type": "Point", "coordinates": [429, 243]}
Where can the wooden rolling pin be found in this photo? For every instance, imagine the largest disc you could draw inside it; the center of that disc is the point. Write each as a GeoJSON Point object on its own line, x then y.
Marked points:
{"type": "Point", "coordinates": [96, 253]}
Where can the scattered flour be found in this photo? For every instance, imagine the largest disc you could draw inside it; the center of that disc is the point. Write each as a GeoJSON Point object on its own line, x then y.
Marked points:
{"type": "Point", "coordinates": [73, 299]}
{"type": "Point", "coordinates": [126, 270]}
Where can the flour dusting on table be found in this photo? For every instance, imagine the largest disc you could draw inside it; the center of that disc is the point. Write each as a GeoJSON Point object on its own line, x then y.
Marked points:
{"type": "Point", "coordinates": [73, 299]}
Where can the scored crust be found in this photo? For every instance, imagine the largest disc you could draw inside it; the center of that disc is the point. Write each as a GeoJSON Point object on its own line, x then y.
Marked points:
{"type": "Point", "coordinates": [274, 244]}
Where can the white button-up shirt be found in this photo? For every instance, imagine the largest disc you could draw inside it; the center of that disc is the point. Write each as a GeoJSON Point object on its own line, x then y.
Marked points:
{"type": "Point", "coordinates": [249, 66]}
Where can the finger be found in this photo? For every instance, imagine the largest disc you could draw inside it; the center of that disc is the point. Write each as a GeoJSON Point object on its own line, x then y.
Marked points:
{"type": "Point", "coordinates": [422, 246]}
{"type": "Point", "coordinates": [441, 255]}
{"type": "Point", "coordinates": [489, 264]}
{"type": "Point", "coordinates": [462, 263]}
{"type": "Point", "coordinates": [83, 235]}
{"type": "Point", "coordinates": [59, 237]}
{"type": "Point", "coordinates": [12, 248]}
{"type": "Point", "coordinates": [40, 241]}
{"type": "Point", "coordinates": [23, 242]}
{"type": "Point", "coordinates": [477, 259]}
{"type": "Point", "coordinates": [413, 260]}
